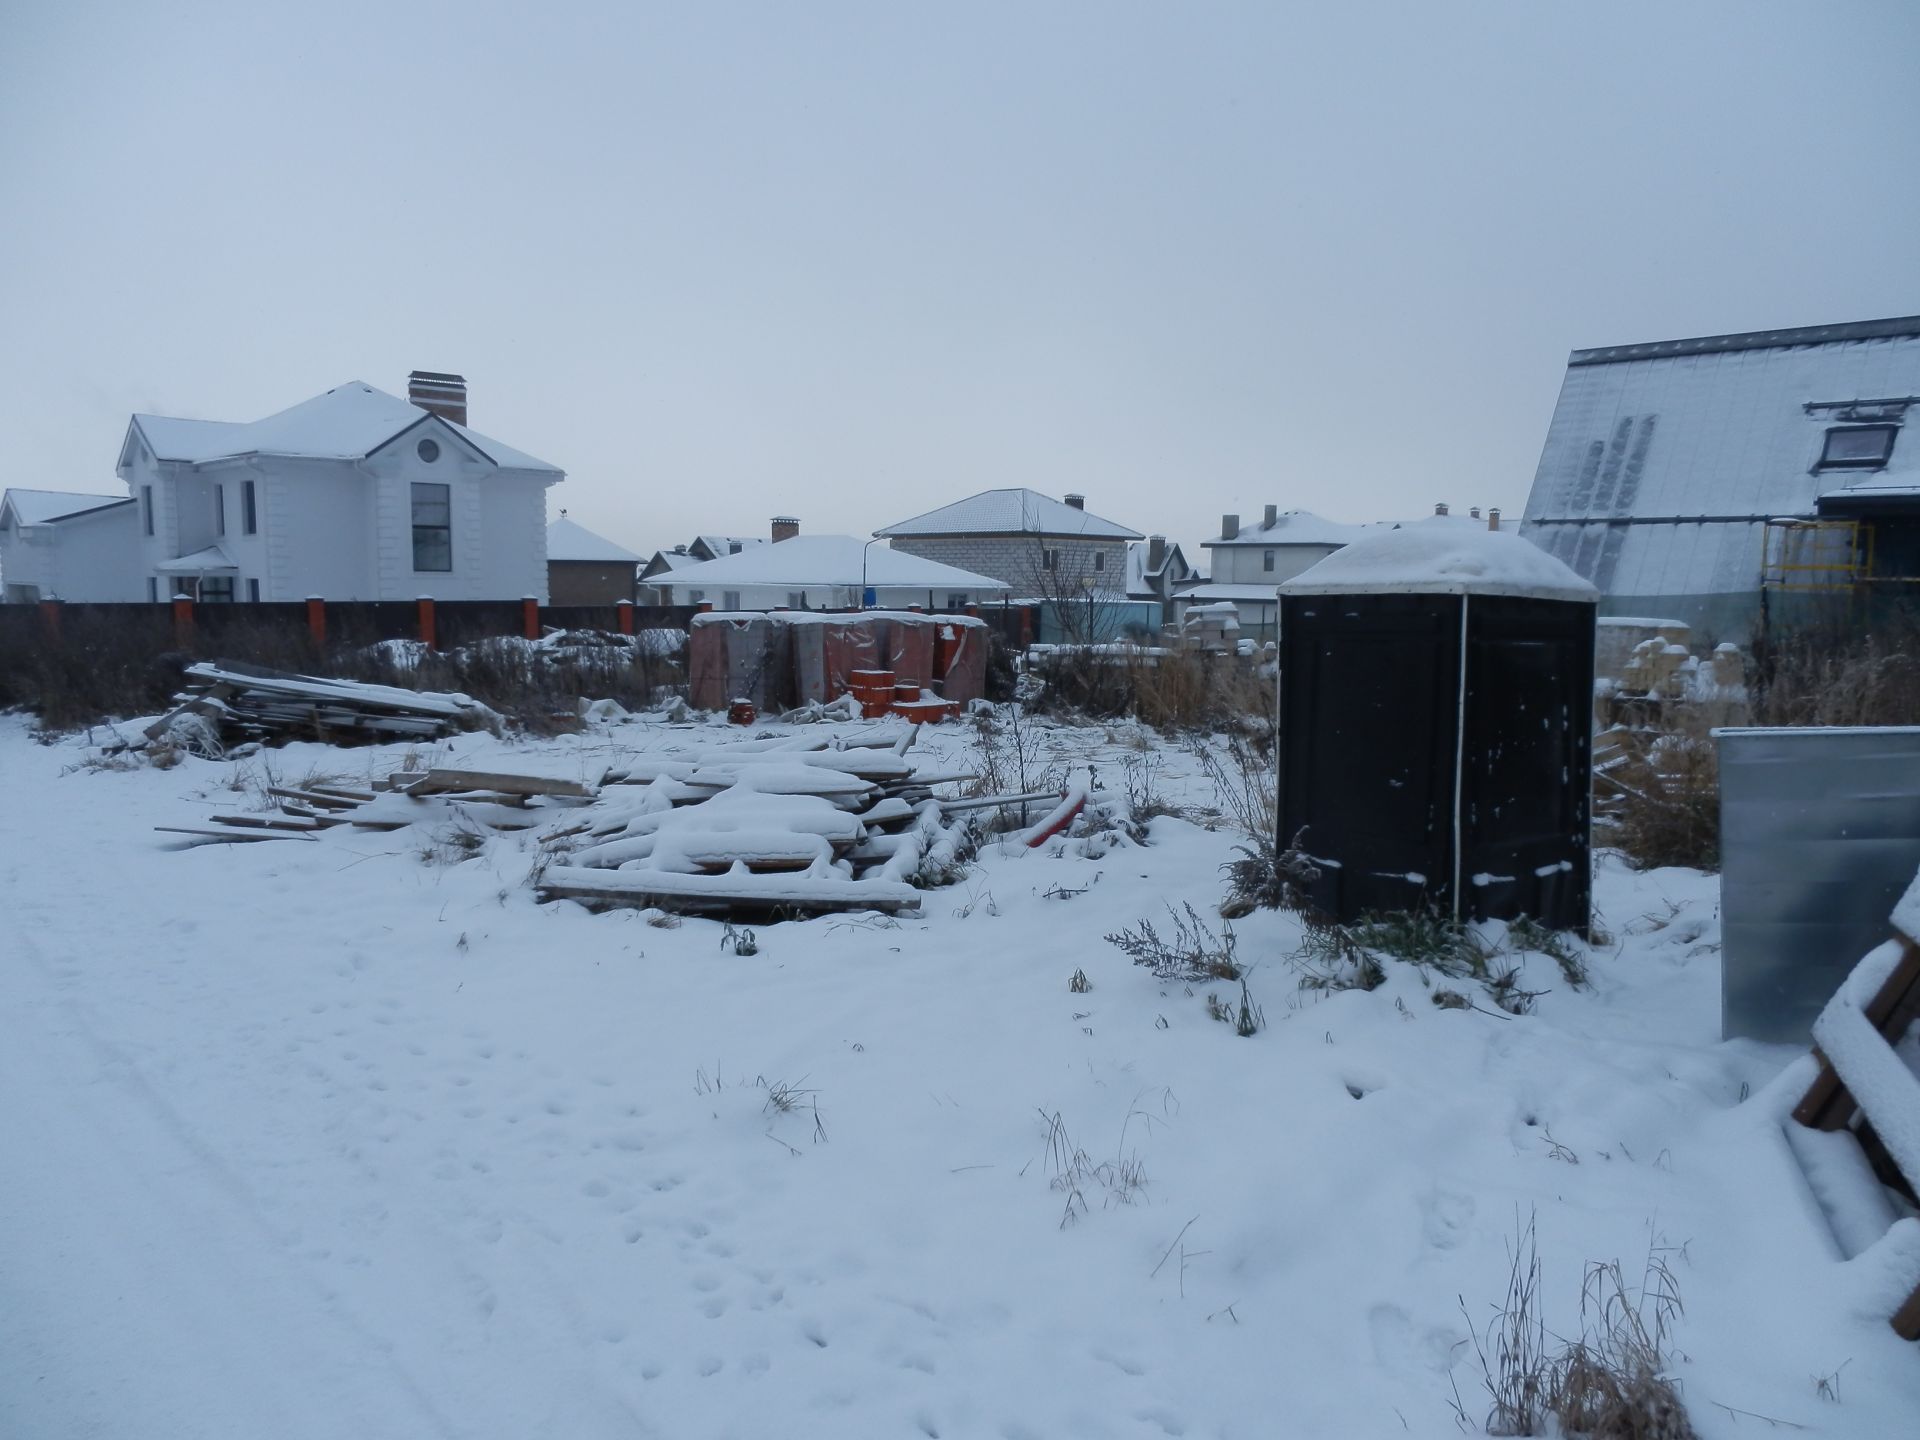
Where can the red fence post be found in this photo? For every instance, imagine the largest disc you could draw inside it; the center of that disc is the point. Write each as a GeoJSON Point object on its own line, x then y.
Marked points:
{"type": "Point", "coordinates": [705, 607]}
{"type": "Point", "coordinates": [530, 617]}
{"type": "Point", "coordinates": [624, 609]}
{"type": "Point", "coordinates": [426, 621]}
{"type": "Point", "coordinates": [50, 618]}
{"type": "Point", "coordinates": [183, 620]}
{"type": "Point", "coordinates": [317, 621]}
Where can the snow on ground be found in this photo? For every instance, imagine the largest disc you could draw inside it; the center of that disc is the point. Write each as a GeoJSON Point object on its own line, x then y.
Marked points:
{"type": "Point", "coordinates": [333, 1139]}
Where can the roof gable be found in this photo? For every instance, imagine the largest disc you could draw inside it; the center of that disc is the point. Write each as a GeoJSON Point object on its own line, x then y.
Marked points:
{"type": "Point", "coordinates": [43, 507]}
{"type": "Point", "coordinates": [348, 422]}
{"type": "Point", "coordinates": [1012, 511]}
{"type": "Point", "coordinates": [569, 541]}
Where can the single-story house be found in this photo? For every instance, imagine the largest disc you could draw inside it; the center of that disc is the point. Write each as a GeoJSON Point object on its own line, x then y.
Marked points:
{"type": "Point", "coordinates": [1719, 479]}
{"type": "Point", "coordinates": [827, 572]}
{"type": "Point", "coordinates": [587, 569]}
{"type": "Point", "coordinates": [700, 550]}
{"type": "Point", "coordinates": [60, 544]}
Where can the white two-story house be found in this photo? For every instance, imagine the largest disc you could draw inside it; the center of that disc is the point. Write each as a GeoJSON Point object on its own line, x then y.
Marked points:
{"type": "Point", "coordinates": [353, 495]}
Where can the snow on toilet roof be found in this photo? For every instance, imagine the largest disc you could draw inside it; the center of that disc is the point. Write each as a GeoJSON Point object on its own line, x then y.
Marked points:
{"type": "Point", "coordinates": [1442, 560]}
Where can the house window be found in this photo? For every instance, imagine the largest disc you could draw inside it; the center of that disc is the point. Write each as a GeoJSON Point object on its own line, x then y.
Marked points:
{"type": "Point", "coordinates": [219, 509]}
{"type": "Point", "coordinates": [1857, 447]}
{"type": "Point", "coordinates": [796, 599]}
{"type": "Point", "coordinates": [432, 527]}
{"type": "Point", "coordinates": [696, 597]}
{"type": "Point", "coordinates": [1266, 560]}
{"type": "Point", "coordinates": [1049, 559]}
{"type": "Point", "coordinates": [729, 599]}
{"type": "Point", "coordinates": [249, 516]}
{"type": "Point", "coordinates": [428, 451]}
{"type": "Point", "coordinates": [146, 508]}
{"type": "Point", "coordinates": [1099, 559]}
{"type": "Point", "coordinates": [253, 591]}
{"type": "Point", "coordinates": [957, 600]}
{"type": "Point", "coordinates": [215, 590]}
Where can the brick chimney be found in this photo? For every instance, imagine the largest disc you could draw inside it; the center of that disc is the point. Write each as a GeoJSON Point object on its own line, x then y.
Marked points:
{"type": "Point", "coordinates": [1493, 519]}
{"type": "Point", "coordinates": [785, 527]}
{"type": "Point", "coordinates": [1156, 552]}
{"type": "Point", "coordinates": [445, 395]}
{"type": "Point", "coordinates": [1078, 502]}
{"type": "Point", "coordinates": [1229, 527]}
{"type": "Point", "coordinates": [1441, 508]}
{"type": "Point", "coordinates": [1272, 517]}
{"type": "Point", "coordinates": [1475, 512]}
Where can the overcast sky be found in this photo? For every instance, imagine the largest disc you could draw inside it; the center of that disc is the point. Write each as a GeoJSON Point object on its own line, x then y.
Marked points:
{"type": "Point", "coordinates": [855, 261]}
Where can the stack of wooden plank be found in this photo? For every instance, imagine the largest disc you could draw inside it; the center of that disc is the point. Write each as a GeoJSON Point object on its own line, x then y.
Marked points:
{"type": "Point", "coordinates": [475, 800]}
{"type": "Point", "coordinates": [761, 828]}
{"type": "Point", "coordinates": [783, 826]}
{"type": "Point", "coordinates": [246, 702]}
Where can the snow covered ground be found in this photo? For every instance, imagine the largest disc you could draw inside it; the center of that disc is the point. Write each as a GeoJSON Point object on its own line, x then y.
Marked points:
{"type": "Point", "coordinates": [333, 1139]}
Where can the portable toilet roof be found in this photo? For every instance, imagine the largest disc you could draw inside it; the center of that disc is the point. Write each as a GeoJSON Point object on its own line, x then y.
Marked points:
{"type": "Point", "coordinates": [1442, 560]}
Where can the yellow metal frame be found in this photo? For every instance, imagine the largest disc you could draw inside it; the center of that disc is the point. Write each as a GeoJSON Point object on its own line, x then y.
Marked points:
{"type": "Point", "coordinates": [1816, 556]}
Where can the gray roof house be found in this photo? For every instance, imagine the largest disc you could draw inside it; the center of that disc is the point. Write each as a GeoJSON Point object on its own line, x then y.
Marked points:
{"type": "Point", "coordinates": [1719, 479]}
{"type": "Point", "coordinates": [1044, 548]}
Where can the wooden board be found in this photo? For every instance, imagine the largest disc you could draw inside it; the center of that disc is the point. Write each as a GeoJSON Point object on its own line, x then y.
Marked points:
{"type": "Point", "coordinates": [210, 832]}
{"type": "Point", "coordinates": [440, 781]}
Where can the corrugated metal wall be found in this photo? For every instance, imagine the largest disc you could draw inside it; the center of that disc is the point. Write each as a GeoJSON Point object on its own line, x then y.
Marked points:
{"type": "Point", "coordinates": [1820, 836]}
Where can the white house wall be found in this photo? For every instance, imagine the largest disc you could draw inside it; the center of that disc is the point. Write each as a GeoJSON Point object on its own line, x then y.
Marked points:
{"type": "Point", "coordinates": [98, 557]}
{"type": "Point", "coordinates": [1246, 564]}
{"type": "Point", "coordinates": [316, 516]}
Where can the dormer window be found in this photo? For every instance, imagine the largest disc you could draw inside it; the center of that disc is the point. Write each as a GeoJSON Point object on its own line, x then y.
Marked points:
{"type": "Point", "coordinates": [1857, 447]}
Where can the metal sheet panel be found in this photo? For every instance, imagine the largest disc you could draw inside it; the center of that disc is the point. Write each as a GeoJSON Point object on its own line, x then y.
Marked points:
{"type": "Point", "coordinates": [1820, 835]}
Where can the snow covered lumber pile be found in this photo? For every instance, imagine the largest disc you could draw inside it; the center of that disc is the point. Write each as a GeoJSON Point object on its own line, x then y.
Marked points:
{"type": "Point", "coordinates": [1868, 1042]}
{"type": "Point", "coordinates": [245, 702]}
{"type": "Point", "coordinates": [779, 827]}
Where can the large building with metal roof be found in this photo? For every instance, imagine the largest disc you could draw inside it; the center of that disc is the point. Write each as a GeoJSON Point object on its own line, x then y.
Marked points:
{"type": "Point", "coordinates": [1720, 479]}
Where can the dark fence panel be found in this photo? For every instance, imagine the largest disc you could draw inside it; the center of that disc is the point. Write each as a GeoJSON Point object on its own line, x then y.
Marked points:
{"type": "Point", "coordinates": [580, 617]}
{"type": "Point", "coordinates": [363, 622]}
{"type": "Point", "coordinates": [463, 622]}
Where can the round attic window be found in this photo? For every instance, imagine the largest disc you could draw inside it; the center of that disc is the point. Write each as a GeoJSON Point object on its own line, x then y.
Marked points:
{"type": "Point", "coordinates": [428, 450]}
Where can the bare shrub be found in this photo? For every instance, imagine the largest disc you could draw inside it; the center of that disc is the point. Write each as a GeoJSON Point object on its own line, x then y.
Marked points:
{"type": "Point", "coordinates": [1192, 952]}
{"type": "Point", "coordinates": [1836, 674]}
{"type": "Point", "coordinates": [1611, 1383]}
{"type": "Point", "coordinates": [1668, 807]}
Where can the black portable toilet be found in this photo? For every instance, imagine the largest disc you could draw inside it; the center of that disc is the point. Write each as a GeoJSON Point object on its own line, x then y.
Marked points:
{"type": "Point", "coordinates": [1436, 700]}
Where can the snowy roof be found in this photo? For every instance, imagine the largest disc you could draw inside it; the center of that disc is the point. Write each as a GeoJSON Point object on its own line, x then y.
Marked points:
{"type": "Point", "coordinates": [1249, 594]}
{"type": "Point", "coordinates": [43, 507]}
{"type": "Point", "coordinates": [722, 545]}
{"type": "Point", "coordinates": [349, 422]}
{"type": "Point", "coordinates": [568, 541]}
{"type": "Point", "coordinates": [831, 560]}
{"type": "Point", "coordinates": [1015, 511]}
{"type": "Point", "coordinates": [1699, 442]}
{"type": "Point", "coordinates": [1296, 527]}
{"type": "Point", "coordinates": [1139, 575]}
{"type": "Point", "coordinates": [1442, 560]}
{"type": "Point", "coordinates": [209, 561]}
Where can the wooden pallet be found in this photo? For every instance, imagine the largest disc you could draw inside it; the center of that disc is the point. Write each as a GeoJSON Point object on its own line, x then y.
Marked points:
{"type": "Point", "coordinates": [1830, 1104]}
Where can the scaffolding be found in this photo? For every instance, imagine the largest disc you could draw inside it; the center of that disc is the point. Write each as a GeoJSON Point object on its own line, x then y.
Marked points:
{"type": "Point", "coordinates": [1816, 556]}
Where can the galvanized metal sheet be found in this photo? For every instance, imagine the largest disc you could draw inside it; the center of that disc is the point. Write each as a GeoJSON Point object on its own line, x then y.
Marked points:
{"type": "Point", "coordinates": [1819, 837]}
